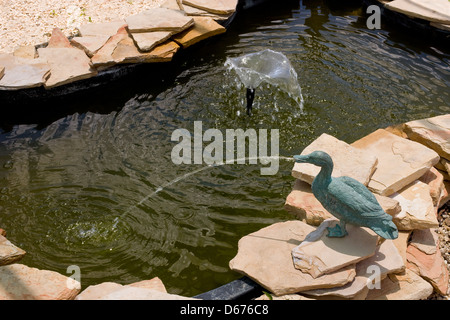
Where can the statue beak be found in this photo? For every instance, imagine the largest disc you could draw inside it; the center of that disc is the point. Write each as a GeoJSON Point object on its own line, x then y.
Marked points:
{"type": "Point", "coordinates": [301, 158]}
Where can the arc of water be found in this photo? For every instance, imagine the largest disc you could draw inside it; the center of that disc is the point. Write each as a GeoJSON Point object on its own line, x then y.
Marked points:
{"type": "Point", "coordinates": [177, 179]}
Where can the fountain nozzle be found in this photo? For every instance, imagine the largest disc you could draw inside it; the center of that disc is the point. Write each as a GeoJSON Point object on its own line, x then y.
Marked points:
{"type": "Point", "coordinates": [250, 96]}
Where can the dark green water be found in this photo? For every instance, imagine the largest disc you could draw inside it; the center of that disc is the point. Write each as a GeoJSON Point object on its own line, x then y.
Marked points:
{"type": "Point", "coordinates": [79, 189]}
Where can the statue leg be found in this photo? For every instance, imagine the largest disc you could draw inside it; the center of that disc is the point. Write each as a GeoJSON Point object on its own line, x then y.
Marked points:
{"type": "Point", "coordinates": [338, 231]}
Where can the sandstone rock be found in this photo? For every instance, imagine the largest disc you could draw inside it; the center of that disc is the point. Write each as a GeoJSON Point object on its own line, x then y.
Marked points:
{"type": "Point", "coordinates": [159, 19]}
{"type": "Point", "coordinates": [22, 73]}
{"type": "Point", "coordinates": [66, 65]}
{"type": "Point", "coordinates": [19, 282]}
{"type": "Point", "coordinates": [191, 11]}
{"type": "Point", "coordinates": [440, 164]}
{"type": "Point", "coordinates": [446, 164]}
{"type": "Point", "coordinates": [58, 40]}
{"type": "Point", "coordinates": [265, 256]}
{"type": "Point", "coordinates": [120, 48]}
{"type": "Point", "coordinates": [89, 44]}
{"type": "Point", "coordinates": [400, 161]}
{"type": "Point", "coordinates": [146, 41]}
{"type": "Point", "coordinates": [102, 290]}
{"type": "Point", "coordinates": [107, 29]}
{"type": "Point", "coordinates": [445, 174]}
{"type": "Point", "coordinates": [435, 181]}
{"type": "Point", "coordinates": [303, 204]}
{"type": "Point", "coordinates": [445, 195]}
{"type": "Point", "coordinates": [204, 27]}
{"type": "Point", "coordinates": [318, 254]}
{"type": "Point", "coordinates": [9, 253]}
{"type": "Point", "coordinates": [26, 52]}
{"type": "Point", "coordinates": [432, 132]}
{"type": "Point", "coordinates": [397, 130]}
{"type": "Point", "coordinates": [172, 4]}
{"type": "Point", "coordinates": [386, 260]}
{"type": "Point", "coordinates": [134, 293]}
{"type": "Point", "coordinates": [407, 286]}
{"type": "Point", "coordinates": [425, 259]}
{"type": "Point", "coordinates": [418, 211]}
{"type": "Point", "coordinates": [442, 26]}
{"type": "Point", "coordinates": [401, 243]}
{"type": "Point", "coordinates": [347, 160]}
{"type": "Point", "coordinates": [214, 6]}
{"type": "Point", "coordinates": [2, 72]}
{"type": "Point", "coordinates": [431, 10]}
{"type": "Point", "coordinates": [291, 296]}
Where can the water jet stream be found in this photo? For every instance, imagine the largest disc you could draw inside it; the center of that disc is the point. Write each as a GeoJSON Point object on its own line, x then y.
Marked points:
{"type": "Point", "coordinates": [177, 179]}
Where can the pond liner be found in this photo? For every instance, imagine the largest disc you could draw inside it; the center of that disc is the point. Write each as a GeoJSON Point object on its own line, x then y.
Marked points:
{"type": "Point", "coordinates": [240, 289]}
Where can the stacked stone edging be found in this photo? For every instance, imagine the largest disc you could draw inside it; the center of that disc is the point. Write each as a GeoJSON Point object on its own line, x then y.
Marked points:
{"type": "Point", "coordinates": [154, 35]}
{"type": "Point", "coordinates": [407, 179]}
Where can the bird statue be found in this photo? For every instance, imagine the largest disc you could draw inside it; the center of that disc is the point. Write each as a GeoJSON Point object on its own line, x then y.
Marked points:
{"type": "Point", "coordinates": [347, 199]}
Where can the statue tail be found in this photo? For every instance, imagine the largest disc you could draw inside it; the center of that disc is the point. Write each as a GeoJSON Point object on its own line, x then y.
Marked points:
{"type": "Point", "coordinates": [386, 229]}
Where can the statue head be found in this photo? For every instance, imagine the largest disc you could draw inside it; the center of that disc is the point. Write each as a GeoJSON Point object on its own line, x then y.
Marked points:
{"type": "Point", "coordinates": [318, 158]}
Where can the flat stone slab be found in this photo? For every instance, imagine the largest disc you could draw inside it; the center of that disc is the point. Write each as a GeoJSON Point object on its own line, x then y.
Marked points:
{"type": "Point", "coordinates": [89, 44]}
{"type": "Point", "coordinates": [102, 290]}
{"type": "Point", "coordinates": [213, 6]}
{"type": "Point", "coordinates": [400, 161]}
{"type": "Point", "coordinates": [159, 19]}
{"type": "Point", "coordinates": [435, 181]}
{"type": "Point", "coordinates": [146, 41]}
{"type": "Point", "coordinates": [21, 73]}
{"type": "Point", "coordinates": [27, 52]}
{"type": "Point", "coordinates": [132, 293]}
{"type": "Point", "coordinates": [58, 40]}
{"type": "Point", "coordinates": [418, 211]}
{"type": "Point", "coordinates": [101, 29]}
{"type": "Point", "coordinates": [265, 257]}
{"type": "Point", "coordinates": [19, 282]}
{"type": "Point", "coordinates": [386, 260]}
{"type": "Point", "coordinates": [204, 28]}
{"type": "Point", "coordinates": [347, 160]}
{"type": "Point", "coordinates": [318, 254]}
{"type": "Point", "coordinates": [66, 65]}
{"type": "Point", "coordinates": [408, 286]}
{"type": "Point", "coordinates": [120, 48]}
{"type": "Point", "coordinates": [425, 258]}
{"type": "Point", "coordinates": [432, 132]}
{"type": "Point", "coordinates": [9, 253]}
{"type": "Point", "coordinates": [431, 10]}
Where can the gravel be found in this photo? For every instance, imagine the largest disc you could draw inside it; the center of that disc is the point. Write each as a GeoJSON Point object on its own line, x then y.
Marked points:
{"type": "Point", "coordinates": [30, 22]}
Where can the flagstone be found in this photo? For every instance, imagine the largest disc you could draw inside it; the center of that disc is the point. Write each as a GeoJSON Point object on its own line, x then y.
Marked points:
{"type": "Point", "coordinates": [9, 253]}
{"type": "Point", "coordinates": [58, 40]}
{"type": "Point", "coordinates": [21, 73]}
{"type": "Point", "coordinates": [407, 286]}
{"type": "Point", "coordinates": [146, 41]}
{"type": "Point", "coordinates": [347, 160]}
{"type": "Point", "coordinates": [430, 10]}
{"type": "Point", "coordinates": [265, 256]}
{"type": "Point", "coordinates": [66, 65]}
{"type": "Point", "coordinates": [20, 282]}
{"type": "Point", "coordinates": [107, 29]}
{"type": "Point", "coordinates": [89, 44]}
{"type": "Point", "coordinates": [27, 52]}
{"type": "Point", "coordinates": [386, 260]}
{"type": "Point", "coordinates": [214, 6]}
{"type": "Point", "coordinates": [204, 28]}
{"type": "Point", "coordinates": [435, 181]}
{"type": "Point", "coordinates": [159, 19]}
{"type": "Point", "coordinates": [418, 211]}
{"type": "Point", "coordinates": [400, 161]}
{"type": "Point", "coordinates": [319, 254]}
{"type": "Point", "coordinates": [432, 132]}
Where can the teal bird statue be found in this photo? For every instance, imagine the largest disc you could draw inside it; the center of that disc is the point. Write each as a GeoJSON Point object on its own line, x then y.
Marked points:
{"type": "Point", "coordinates": [347, 199]}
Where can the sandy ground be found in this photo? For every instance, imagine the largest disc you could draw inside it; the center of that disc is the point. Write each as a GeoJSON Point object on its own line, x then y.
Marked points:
{"type": "Point", "coordinates": [25, 22]}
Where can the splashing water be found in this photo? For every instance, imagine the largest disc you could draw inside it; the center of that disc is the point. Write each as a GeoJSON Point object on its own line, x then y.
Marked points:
{"type": "Point", "coordinates": [267, 66]}
{"type": "Point", "coordinates": [168, 184]}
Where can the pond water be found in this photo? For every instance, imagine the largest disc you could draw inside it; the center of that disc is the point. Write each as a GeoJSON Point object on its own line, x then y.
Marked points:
{"type": "Point", "coordinates": [93, 184]}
